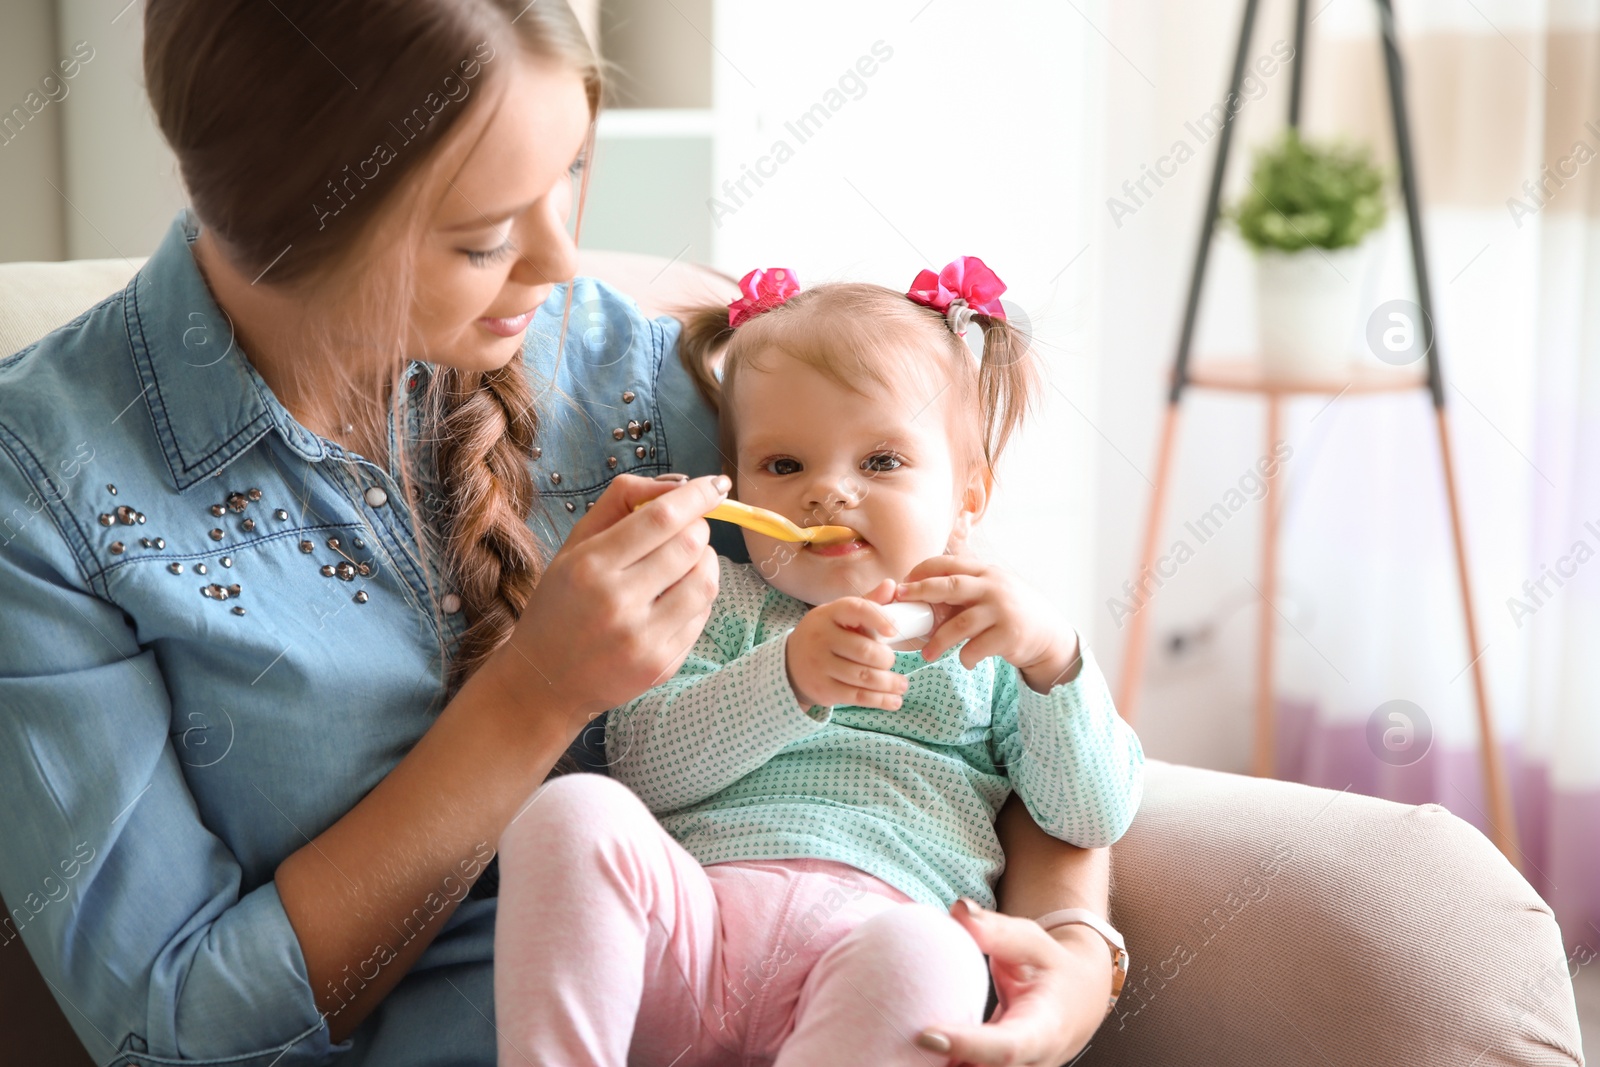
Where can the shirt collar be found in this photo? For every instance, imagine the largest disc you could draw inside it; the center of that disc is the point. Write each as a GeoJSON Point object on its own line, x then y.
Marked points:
{"type": "Point", "coordinates": [208, 403]}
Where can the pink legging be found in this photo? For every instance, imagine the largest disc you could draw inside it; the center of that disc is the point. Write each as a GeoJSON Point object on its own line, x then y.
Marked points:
{"type": "Point", "coordinates": [614, 946]}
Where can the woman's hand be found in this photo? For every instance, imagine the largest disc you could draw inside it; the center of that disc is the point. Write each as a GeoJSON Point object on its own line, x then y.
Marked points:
{"type": "Point", "coordinates": [833, 659]}
{"type": "Point", "coordinates": [622, 602]}
{"type": "Point", "coordinates": [997, 615]}
{"type": "Point", "coordinates": [1052, 986]}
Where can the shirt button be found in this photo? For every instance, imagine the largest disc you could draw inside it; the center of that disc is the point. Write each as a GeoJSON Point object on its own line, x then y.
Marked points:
{"type": "Point", "coordinates": [376, 497]}
{"type": "Point", "coordinates": [450, 603]}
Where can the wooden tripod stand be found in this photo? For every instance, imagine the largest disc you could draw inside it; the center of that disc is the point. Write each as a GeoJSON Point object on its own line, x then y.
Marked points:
{"type": "Point", "coordinates": [1249, 378]}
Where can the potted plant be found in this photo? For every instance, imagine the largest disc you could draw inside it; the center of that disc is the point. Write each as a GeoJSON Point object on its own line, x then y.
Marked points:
{"type": "Point", "coordinates": [1307, 214]}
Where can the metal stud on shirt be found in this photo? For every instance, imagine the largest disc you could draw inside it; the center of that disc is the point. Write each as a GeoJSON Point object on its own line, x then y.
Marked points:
{"type": "Point", "coordinates": [307, 546]}
{"type": "Point", "coordinates": [627, 396]}
{"type": "Point", "coordinates": [361, 596]}
{"type": "Point", "coordinates": [227, 561]}
{"type": "Point", "coordinates": [555, 477]}
{"type": "Point", "coordinates": [571, 506]}
{"type": "Point", "coordinates": [450, 603]}
{"type": "Point", "coordinates": [376, 497]}
{"type": "Point", "coordinates": [281, 515]}
{"type": "Point", "coordinates": [618, 433]}
{"type": "Point", "coordinates": [216, 535]}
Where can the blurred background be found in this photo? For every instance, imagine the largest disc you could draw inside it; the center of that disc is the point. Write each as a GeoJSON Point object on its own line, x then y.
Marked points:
{"type": "Point", "coordinates": [1071, 145]}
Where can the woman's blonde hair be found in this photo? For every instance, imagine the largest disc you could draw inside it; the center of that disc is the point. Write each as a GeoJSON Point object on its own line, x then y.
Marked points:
{"type": "Point", "coordinates": [857, 333]}
{"type": "Point", "coordinates": [272, 111]}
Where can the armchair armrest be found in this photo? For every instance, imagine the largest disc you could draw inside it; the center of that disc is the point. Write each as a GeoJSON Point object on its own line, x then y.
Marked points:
{"type": "Point", "coordinates": [1272, 922]}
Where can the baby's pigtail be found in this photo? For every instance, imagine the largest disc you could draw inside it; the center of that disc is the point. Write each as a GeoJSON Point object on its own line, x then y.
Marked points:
{"type": "Point", "coordinates": [1008, 383]}
{"type": "Point", "coordinates": [700, 345]}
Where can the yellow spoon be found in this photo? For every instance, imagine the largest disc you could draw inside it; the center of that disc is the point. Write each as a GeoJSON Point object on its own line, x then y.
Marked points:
{"type": "Point", "coordinates": [772, 524]}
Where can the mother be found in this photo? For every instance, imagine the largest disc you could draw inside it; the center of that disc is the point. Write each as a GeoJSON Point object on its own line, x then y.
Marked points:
{"type": "Point", "coordinates": [286, 644]}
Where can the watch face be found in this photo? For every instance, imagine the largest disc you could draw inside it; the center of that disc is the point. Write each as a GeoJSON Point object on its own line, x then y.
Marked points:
{"type": "Point", "coordinates": [1119, 975]}
{"type": "Point", "coordinates": [1113, 939]}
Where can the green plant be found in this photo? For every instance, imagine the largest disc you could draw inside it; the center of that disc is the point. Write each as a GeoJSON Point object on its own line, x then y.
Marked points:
{"type": "Point", "coordinates": [1308, 195]}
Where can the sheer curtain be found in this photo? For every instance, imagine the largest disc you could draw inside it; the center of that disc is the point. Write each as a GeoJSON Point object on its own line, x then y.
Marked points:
{"type": "Point", "coordinates": [1505, 104]}
{"type": "Point", "coordinates": [1371, 613]}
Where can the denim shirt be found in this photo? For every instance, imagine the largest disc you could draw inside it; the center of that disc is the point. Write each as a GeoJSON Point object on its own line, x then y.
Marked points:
{"type": "Point", "coordinates": [213, 645]}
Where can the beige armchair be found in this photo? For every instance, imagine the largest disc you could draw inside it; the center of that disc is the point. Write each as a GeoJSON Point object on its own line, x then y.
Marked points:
{"type": "Point", "coordinates": [1268, 922]}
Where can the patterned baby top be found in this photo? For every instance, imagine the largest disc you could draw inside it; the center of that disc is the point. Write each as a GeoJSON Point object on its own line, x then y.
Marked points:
{"type": "Point", "coordinates": [735, 768]}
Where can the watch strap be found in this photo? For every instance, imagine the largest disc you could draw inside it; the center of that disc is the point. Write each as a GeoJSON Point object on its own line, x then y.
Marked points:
{"type": "Point", "coordinates": [1113, 939]}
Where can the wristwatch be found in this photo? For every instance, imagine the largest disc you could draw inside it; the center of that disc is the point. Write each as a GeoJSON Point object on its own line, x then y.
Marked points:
{"type": "Point", "coordinates": [1119, 951]}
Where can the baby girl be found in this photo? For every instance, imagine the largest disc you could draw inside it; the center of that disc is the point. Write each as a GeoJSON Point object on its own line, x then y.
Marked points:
{"type": "Point", "coordinates": [824, 792]}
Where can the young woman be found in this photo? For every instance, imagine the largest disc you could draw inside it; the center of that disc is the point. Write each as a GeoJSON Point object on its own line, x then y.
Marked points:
{"type": "Point", "coordinates": [318, 551]}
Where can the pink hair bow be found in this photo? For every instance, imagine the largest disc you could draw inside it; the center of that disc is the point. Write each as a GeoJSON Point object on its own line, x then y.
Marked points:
{"type": "Point", "coordinates": [764, 289]}
{"type": "Point", "coordinates": [963, 287]}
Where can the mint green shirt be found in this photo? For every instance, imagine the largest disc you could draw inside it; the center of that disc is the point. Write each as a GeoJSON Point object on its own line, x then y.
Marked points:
{"type": "Point", "coordinates": [735, 768]}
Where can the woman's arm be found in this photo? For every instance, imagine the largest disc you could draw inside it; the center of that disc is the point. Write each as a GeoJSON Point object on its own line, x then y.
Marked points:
{"type": "Point", "coordinates": [1044, 874]}
{"type": "Point", "coordinates": [368, 894]}
{"type": "Point", "coordinates": [1053, 986]}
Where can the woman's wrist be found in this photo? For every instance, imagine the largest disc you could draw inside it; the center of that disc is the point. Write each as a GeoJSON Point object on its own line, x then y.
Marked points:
{"type": "Point", "coordinates": [1089, 948]}
{"type": "Point", "coordinates": [1082, 941]}
{"type": "Point", "coordinates": [510, 689]}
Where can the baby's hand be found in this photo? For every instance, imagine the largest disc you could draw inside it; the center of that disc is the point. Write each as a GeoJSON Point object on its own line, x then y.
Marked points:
{"type": "Point", "coordinates": [833, 659]}
{"type": "Point", "coordinates": [996, 615]}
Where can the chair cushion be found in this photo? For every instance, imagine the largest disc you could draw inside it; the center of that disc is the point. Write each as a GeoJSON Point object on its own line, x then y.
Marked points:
{"type": "Point", "coordinates": [1272, 922]}
{"type": "Point", "coordinates": [35, 298]}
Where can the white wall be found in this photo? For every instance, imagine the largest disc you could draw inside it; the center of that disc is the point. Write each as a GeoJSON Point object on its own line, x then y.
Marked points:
{"type": "Point", "coordinates": [121, 180]}
{"type": "Point", "coordinates": [973, 138]}
{"type": "Point", "coordinates": [1174, 65]}
{"type": "Point", "coordinates": [89, 177]}
{"type": "Point", "coordinates": [961, 142]}
{"type": "Point", "coordinates": [30, 149]}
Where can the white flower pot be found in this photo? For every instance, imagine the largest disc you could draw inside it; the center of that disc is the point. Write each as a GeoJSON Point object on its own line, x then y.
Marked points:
{"type": "Point", "coordinates": [1308, 311]}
